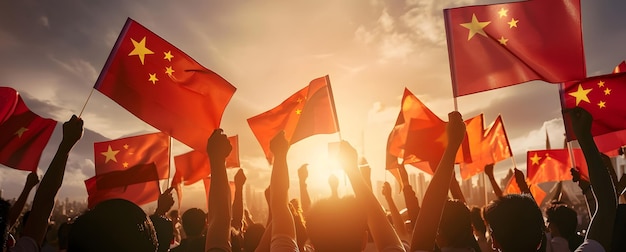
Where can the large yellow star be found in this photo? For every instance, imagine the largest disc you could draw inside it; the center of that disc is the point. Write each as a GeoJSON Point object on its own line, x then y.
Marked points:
{"type": "Point", "coordinates": [581, 94]}
{"type": "Point", "coordinates": [503, 40]}
{"type": "Point", "coordinates": [140, 49]}
{"type": "Point", "coordinates": [503, 12]}
{"type": "Point", "coordinates": [535, 159]}
{"type": "Point", "coordinates": [475, 27]}
{"type": "Point", "coordinates": [110, 155]}
{"type": "Point", "coordinates": [602, 104]}
{"type": "Point", "coordinates": [153, 78]}
{"type": "Point", "coordinates": [168, 56]}
{"type": "Point", "coordinates": [513, 23]}
{"type": "Point", "coordinates": [20, 132]}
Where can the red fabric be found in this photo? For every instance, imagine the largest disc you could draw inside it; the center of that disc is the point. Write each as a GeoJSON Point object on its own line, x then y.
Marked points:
{"type": "Point", "coordinates": [475, 136]}
{"type": "Point", "coordinates": [308, 112]}
{"type": "Point", "coordinates": [602, 96]}
{"type": "Point", "coordinates": [544, 42]}
{"type": "Point", "coordinates": [132, 160]}
{"type": "Point", "coordinates": [191, 167]}
{"type": "Point", "coordinates": [554, 165]}
{"type": "Point", "coordinates": [494, 147]}
{"type": "Point", "coordinates": [140, 194]}
{"type": "Point", "coordinates": [232, 161]}
{"type": "Point", "coordinates": [187, 104]}
{"type": "Point", "coordinates": [620, 68]}
{"type": "Point", "coordinates": [513, 188]}
{"type": "Point", "coordinates": [8, 102]}
{"type": "Point", "coordinates": [23, 134]}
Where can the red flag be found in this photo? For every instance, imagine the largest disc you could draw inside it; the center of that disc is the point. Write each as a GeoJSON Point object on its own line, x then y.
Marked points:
{"type": "Point", "coordinates": [554, 165]}
{"type": "Point", "coordinates": [140, 194]}
{"type": "Point", "coordinates": [494, 147]}
{"type": "Point", "coordinates": [8, 102]}
{"type": "Point", "coordinates": [132, 160]}
{"type": "Point", "coordinates": [475, 136]}
{"type": "Point", "coordinates": [513, 188]}
{"type": "Point", "coordinates": [499, 45]}
{"type": "Point", "coordinates": [191, 167]}
{"type": "Point", "coordinates": [163, 86]}
{"type": "Point", "coordinates": [602, 96]}
{"type": "Point", "coordinates": [232, 161]}
{"type": "Point", "coordinates": [23, 134]}
{"type": "Point", "coordinates": [620, 68]}
{"type": "Point", "coordinates": [308, 112]}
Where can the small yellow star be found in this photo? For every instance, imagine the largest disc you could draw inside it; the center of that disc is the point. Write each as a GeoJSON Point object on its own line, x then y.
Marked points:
{"type": "Point", "coordinates": [169, 71]}
{"type": "Point", "coordinates": [125, 164]}
{"type": "Point", "coordinates": [125, 146]}
{"type": "Point", "coordinates": [602, 104]}
{"type": "Point", "coordinates": [110, 154]}
{"type": "Point", "coordinates": [298, 111]}
{"type": "Point", "coordinates": [475, 27]}
{"type": "Point", "coordinates": [20, 132]}
{"type": "Point", "coordinates": [607, 91]}
{"type": "Point", "coordinates": [299, 100]}
{"type": "Point", "coordinates": [168, 56]}
{"type": "Point", "coordinates": [503, 40]}
{"type": "Point", "coordinates": [503, 12]}
{"type": "Point", "coordinates": [601, 84]}
{"type": "Point", "coordinates": [140, 49]}
{"type": "Point", "coordinates": [513, 23]}
{"type": "Point", "coordinates": [153, 78]}
{"type": "Point", "coordinates": [535, 159]}
{"type": "Point", "coordinates": [581, 94]}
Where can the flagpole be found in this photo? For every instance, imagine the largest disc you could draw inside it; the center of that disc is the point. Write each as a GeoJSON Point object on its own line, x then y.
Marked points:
{"type": "Point", "coordinates": [169, 162]}
{"type": "Point", "coordinates": [88, 97]}
{"type": "Point", "coordinates": [332, 103]}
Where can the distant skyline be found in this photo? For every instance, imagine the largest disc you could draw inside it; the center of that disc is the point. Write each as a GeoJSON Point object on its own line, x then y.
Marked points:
{"type": "Point", "coordinates": [52, 53]}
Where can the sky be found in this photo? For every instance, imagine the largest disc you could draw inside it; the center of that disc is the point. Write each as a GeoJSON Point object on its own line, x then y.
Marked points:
{"type": "Point", "coordinates": [53, 51]}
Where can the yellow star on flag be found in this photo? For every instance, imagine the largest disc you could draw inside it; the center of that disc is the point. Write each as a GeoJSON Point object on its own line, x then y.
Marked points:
{"type": "Point", "coordinates": [125, 146]}
{"type": "Point", "coordinates": [601, 84]}
{"type": "Point", "coordinates": [475, 27]}
{"type": "Point", "coordinates": [607, 91]}
{"type": "Point", "coordinates": [169, 71]}
{"type": "Point", "coordinates": [581, 94]}
{"type": "Point", "coordinates": [140, 49]}
{"type": "Point", "coordinates": [513, 23]}
{"type": "Point", "coordinates": [110, 154]}
{"type": "Point", "coordinates": [298, 111]}
{"type": "Point", "coordinates": [535, 159]}
{"type": "Point", "coordinates": [503, 40]}
{"type": "Point", "coordinates": [153, 78]}
{"type": "Point", "coordinates": [168, 56]}
{"type": "Point", "coordinates": [125, 164]}
{"type": "Point", "coordinates": [602, 104]}
{"type": "Point", "coordinates": [503, 12]}
{"type": "Point", "coordinates": [20, 132]}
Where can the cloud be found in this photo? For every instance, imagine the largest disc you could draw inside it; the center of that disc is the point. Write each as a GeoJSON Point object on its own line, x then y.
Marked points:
{"type": "Point", "coordinates": [44, 21]}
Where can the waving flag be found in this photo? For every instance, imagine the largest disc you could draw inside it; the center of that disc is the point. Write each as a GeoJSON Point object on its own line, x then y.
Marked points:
{"type": "Point", "coordinates": [140, 193]}
{"type": "Point", "coordinates": [499, 45]}
{"type": "Point", "coordinates": [132, 160]}
{"type": "Point", "coordinates": [309, 111]}
{"type": "Point", "coordinates": [163, 86]}
{"type": "Point", "coordinates": [23, 134]}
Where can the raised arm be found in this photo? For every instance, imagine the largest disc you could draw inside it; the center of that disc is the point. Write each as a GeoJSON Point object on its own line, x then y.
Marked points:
{"type": "Point", "coordinates": [601, 226]}
{"type": "Point", "coordinates": [520, 179]}
{"type": "Point", "coordinates": [16, 209]}
{"type": "Point", "coordinates": [50, 184]}
{"type": "Point", "coordinates": [410, 200]}
{"type": "Point", "coordinates": [282, 220]}
{"type": "Point", "coordinates": [240, 180]}
{"type": "Point", "coordinates": [381, 230]}
{"type": "Point", "coordinates": [436, 194]}
{"type": "Point", "coordinates": [218, 227]}
{"type": "Point", "coordinates": [455, 189]}
{"type": "Point", "coordinates": [305, 200]}
{"type": "Point", "coordinates": [398, 223]}
{"type": "Point", "coordinates": [496, 188]}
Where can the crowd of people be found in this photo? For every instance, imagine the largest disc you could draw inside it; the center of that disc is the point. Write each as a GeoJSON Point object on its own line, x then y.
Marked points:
{"type": "Point", "coordinates": [358, 222]}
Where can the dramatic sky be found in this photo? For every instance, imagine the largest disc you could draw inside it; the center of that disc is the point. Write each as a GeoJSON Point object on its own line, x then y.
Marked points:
{"type": "Point", "coordinates": [53, 51]}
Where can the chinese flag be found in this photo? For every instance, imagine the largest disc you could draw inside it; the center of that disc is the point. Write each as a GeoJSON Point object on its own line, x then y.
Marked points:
{"type": "Point", "coordinates": [554, 165]}
{"type": "Point", "coordinates": [603, 97]}
{"type": "Point", "coordinates": [8, 102]}
{"type": "Point", "coordinates": [23, 134]}
{"type": "Point", "coordinates": [499, 45]}
{"type": "Point", "coordinates": [132, 160]}
{"type": "Point", "coordinates": [191, 167]}
{"type": "Point", "coordinates": [232, 160]}
{"type": "Point", "coordinates": [494, 147]}
{"type": "Point", "coordinates": [163, 86]}
{"type": "Point", "coordinates": [308, 112]}
{"type": "Point", "coordinates": [140, 194]}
